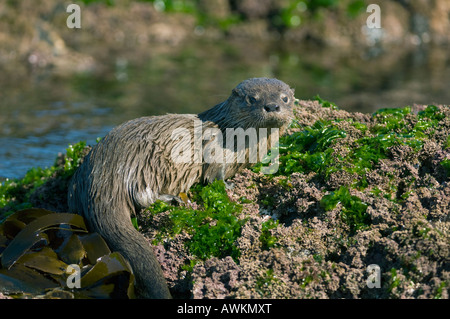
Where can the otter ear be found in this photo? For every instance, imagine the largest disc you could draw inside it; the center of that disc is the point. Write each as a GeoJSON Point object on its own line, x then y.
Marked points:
{"type": "Point", "coordinates": [293, 91]}
{"type": "Point", "coordinates": [237, 91]}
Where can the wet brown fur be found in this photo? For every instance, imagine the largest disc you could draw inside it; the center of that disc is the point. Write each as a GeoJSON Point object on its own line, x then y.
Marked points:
{"type": "Point", "coordinates": [132, 167]}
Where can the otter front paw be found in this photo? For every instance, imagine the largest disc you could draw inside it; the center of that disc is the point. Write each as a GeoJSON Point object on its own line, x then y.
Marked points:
{"type": "Point", "coordinates": [171, 199]}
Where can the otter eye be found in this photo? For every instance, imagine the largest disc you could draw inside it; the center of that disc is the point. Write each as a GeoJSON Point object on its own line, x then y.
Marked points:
{"type": "Point", "coordinates": [285, 99]}
{"type": "Point", "coordinates": [251, 99]}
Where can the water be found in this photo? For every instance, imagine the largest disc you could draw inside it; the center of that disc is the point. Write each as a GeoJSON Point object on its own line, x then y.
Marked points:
{"type": "Point", "coordinates": [40, 115]}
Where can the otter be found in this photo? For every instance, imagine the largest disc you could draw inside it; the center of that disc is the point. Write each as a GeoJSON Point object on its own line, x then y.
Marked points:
{"type": "Point", "coordinates": [132, 167]}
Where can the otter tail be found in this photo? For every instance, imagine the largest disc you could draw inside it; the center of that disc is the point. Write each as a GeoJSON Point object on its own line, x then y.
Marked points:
{"type": "Point", "coordinates": [149, 278]}
{"type": "Point", "coordinates": [113, 223]}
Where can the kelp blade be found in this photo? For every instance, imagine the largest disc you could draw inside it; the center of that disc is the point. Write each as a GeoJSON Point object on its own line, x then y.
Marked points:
{"type": "Point", "coordinates": [29, 235]}
{"type": "Point", "coordinates": [95, 246]}
{"type": "Point", "coordinates": [110, 277]}
{"type": "Point", "coordinates": [21, 279]}
{"type": "Point", "coordinates": [45, 260]}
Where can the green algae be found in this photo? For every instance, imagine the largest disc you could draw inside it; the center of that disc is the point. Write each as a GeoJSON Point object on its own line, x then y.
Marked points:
{"type": "Point", "coordinates": [353, 211]}
{"type": "Point", "coordinates": [213, 229]}
{"type": "Point", "coordinates": [15, 193]}
{"type": "Point", "coordinates": [74, 155]}
{"type": "Point", "coordinates": [311, 150]}
{"type": "Point", "coordinates": [446, 165]}
{"type": "Point", "coordinates": [307, 150]}
{"type": "Point", "coordinates": [325, 103]}
{"type": "Point", "coordinates": [265, 281]}
{"type": "Point", "coordinates": [267, 239]}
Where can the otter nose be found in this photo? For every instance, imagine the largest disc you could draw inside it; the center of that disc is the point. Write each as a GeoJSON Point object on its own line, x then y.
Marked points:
{"type": "Point", "coordinates": [272, 108]}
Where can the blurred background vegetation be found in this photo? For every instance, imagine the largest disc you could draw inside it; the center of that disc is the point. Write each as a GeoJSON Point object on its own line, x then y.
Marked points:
{"type": "Point", "coordinates": [280, 14]}
{"type": "Point", "coordinates": [134, 58]}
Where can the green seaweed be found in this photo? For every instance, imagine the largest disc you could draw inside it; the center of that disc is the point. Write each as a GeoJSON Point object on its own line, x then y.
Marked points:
{"type": "Point", "coordinates": [390, 119]}
{"type": "Point", "coordinates": [311, 150]}
{"type": "Point", "coordinates": [264, 282]}
{"type": "Point", "coordinates": [325, 103]}
{"type": "Point", "coordinates": [395, 120]}
{"type": "Point", "coordinates": [22, 188]}
{"type": "Point", "coordinates": [369, 150]}
{"type": "Point", "coordinates": [213, 229]}
{"type": "Point", "coordinates": [353, 211]}
{"type": "Point", "coordinates": [439, 290]}
{"type": "Point", "coordinates": [394, 280]}
{"type": "Point", "coordinates": [266, 238]}
{"type": "Point", "coordinates": [307, 150]}
{"type": "Point", "coordinates": [433, 113]}
{"type": "Point", "coordinates": [447, 142]}
{"type": "Point", "coordinates": [74, 155]}
{"type": "Point", "coordinates": [446, 164]}
{"type": "Point", "coordinates": [15, 193]}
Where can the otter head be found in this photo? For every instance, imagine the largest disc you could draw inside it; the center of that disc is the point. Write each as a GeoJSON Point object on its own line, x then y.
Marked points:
{"type": "Point", "coordinates": [262, 102]}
